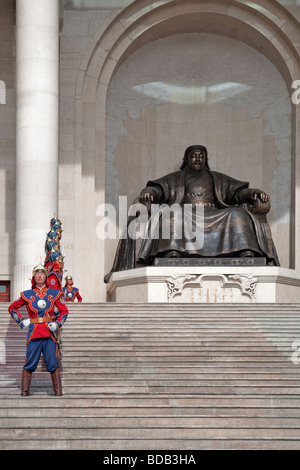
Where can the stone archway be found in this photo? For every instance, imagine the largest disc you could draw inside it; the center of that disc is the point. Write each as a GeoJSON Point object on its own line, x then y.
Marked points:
{"type": "Point", "coordinates": [262, 25]}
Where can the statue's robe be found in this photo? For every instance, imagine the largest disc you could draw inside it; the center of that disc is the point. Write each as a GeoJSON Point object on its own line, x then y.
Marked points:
{"type": "Point", "coordinates": [229, 227]}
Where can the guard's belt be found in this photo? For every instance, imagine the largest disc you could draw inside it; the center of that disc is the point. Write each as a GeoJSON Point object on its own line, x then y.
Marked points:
{"type": "Point", "coordinates": [46, 319]}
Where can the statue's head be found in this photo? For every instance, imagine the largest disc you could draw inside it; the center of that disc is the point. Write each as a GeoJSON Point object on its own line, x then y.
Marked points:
{"type": "Point", "coordinates": [189, 150]}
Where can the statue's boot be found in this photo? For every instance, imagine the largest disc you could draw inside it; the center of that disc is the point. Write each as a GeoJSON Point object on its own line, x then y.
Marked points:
{"type": "Point", "coordinates": [26, 381]}
{"type": "Point", "coordinates": [246, 254]}
{"type": "Point", "coordinates": [56, 382]}
{"type": "Point", "coordinates": [173, 254]}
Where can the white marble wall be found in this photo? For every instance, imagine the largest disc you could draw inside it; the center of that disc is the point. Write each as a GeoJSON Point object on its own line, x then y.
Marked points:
{"type": "Point", "coordinates": [207, 89]}
{"type": "Point", "coordinates": [77, 209]}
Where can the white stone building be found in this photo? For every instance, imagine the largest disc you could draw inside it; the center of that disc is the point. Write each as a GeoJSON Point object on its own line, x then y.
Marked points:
{"type": "Point", "coordinates": [98, 96]}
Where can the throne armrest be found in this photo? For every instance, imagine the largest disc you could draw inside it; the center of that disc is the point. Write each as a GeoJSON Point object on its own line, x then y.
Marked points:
{"type": "Point", "coordinates": [259, 208]}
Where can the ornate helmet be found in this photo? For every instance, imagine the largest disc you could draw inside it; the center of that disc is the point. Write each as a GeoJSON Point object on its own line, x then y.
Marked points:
{"type": "Point", "coordinates": [51, 245]}
{"type": "Point", "coordinates": [39, 267]}
{"type": "Point", "coordinates": [57, 228]}
{"type": "Point", "coordinates": [55, 256]}
{"type": "Point", "coordinates": [54, 221]}
{"type": "Point", "coordinates": [68, 278]}
{"type": "Point", "coordinates": [52, 235]}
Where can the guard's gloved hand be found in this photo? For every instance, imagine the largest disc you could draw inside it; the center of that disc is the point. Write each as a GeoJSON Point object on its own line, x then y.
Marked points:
{"type": "Point", "coordinates": [53, 326]}
{"type": "Point", "coordinates": [26, 322]}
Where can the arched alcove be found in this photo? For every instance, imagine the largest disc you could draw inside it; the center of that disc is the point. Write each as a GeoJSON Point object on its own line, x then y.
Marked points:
{"type": "Point", "coordinates": [263, 26]}
{"type": "Point", "coordinates": [208, 89]}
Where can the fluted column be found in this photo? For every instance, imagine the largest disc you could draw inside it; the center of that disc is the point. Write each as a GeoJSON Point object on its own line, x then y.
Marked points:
{"type": "Point", "coordinates": [37, 59]}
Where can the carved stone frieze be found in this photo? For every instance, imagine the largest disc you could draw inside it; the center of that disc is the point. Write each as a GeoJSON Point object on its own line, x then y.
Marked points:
{"type": "Point", "coordinates": [208, 288]}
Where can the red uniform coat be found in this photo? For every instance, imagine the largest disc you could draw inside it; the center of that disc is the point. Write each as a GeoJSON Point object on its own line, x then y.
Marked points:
{"type": "Point", "coordinates": [71, 293]}
{"type": "Point", "coordinates": [40, 305]}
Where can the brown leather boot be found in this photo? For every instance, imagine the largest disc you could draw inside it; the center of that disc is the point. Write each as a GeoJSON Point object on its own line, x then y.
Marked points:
{"type": "Point", "coordinates": [26, 381]}
{"type": "Point", "coordinates": [56, 381]}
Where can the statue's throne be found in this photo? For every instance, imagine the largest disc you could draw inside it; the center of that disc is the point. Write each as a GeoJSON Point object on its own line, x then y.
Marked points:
{"type": "Point", "coordinates": [258, 208]}
{"type": "Point", "coordinates": [200, 280]}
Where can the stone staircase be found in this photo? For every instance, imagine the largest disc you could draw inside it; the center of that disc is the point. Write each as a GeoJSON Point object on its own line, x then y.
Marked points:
{"type": "Point", "coordinates": [159, 376]}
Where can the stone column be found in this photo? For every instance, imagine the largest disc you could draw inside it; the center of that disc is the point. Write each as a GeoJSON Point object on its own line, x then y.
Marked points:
{"type": "Point", "coordinates": [37, 59]}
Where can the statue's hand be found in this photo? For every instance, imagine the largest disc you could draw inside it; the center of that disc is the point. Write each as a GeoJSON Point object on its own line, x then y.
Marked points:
{"type": "Point", "coordinates": [261, 195]}
{"type": "Point", "coordinates": [147, 196]}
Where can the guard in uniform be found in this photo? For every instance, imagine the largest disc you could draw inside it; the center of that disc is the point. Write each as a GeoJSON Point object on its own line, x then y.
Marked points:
{"type": "Point", "coordinates": [70, 292]}
{"type": "Point", "coordinates": [55, 266]}
{"type": "Point", "coordinates": [43, 327]}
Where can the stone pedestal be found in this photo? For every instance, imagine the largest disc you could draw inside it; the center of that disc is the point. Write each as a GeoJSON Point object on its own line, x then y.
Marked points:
{"type": "Point", "coordinates": [240, 283]}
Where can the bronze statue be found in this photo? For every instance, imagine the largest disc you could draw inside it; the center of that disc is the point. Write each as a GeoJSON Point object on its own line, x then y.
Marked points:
{"type": "Point", "coordinates": [233, 219]}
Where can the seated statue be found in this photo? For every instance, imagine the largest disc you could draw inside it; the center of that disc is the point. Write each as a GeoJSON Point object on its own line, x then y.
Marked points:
{"type": "Point", "coordinates": [232, 219]}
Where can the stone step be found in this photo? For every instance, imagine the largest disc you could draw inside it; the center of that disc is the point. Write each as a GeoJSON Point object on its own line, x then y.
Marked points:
{"type": "Point", "coordinates": [188, 389]}
{"type": "Point", "coordinates": [182, 379]}
{"type": "Point", "coordinates": [200, 336]}
{"type": "Point", "coordinates": [229, 366]}
{"type": "Point", "coordinates": [81, 423]}
{"type": "Point", "coordinates": [153, 433]}
{"type": "Point", "coordinates": [203, 344]}
{"type": "Point", "coordinates": [153, 445]}
{"type": "Point", "coordinates": [136, 400]}
{"type": "Point", "coordinates": [124, 384]}
{"type": "Point", "coordinates": [226, 373]}
{"type": "Point", "coordinates": [153, 376]}
{"type": "Point", "coordinates": [152, 323]}
{"type": "Point", "coordinates": [166, 308]}
{"type": "Point", "coordinates": [77, 411]}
